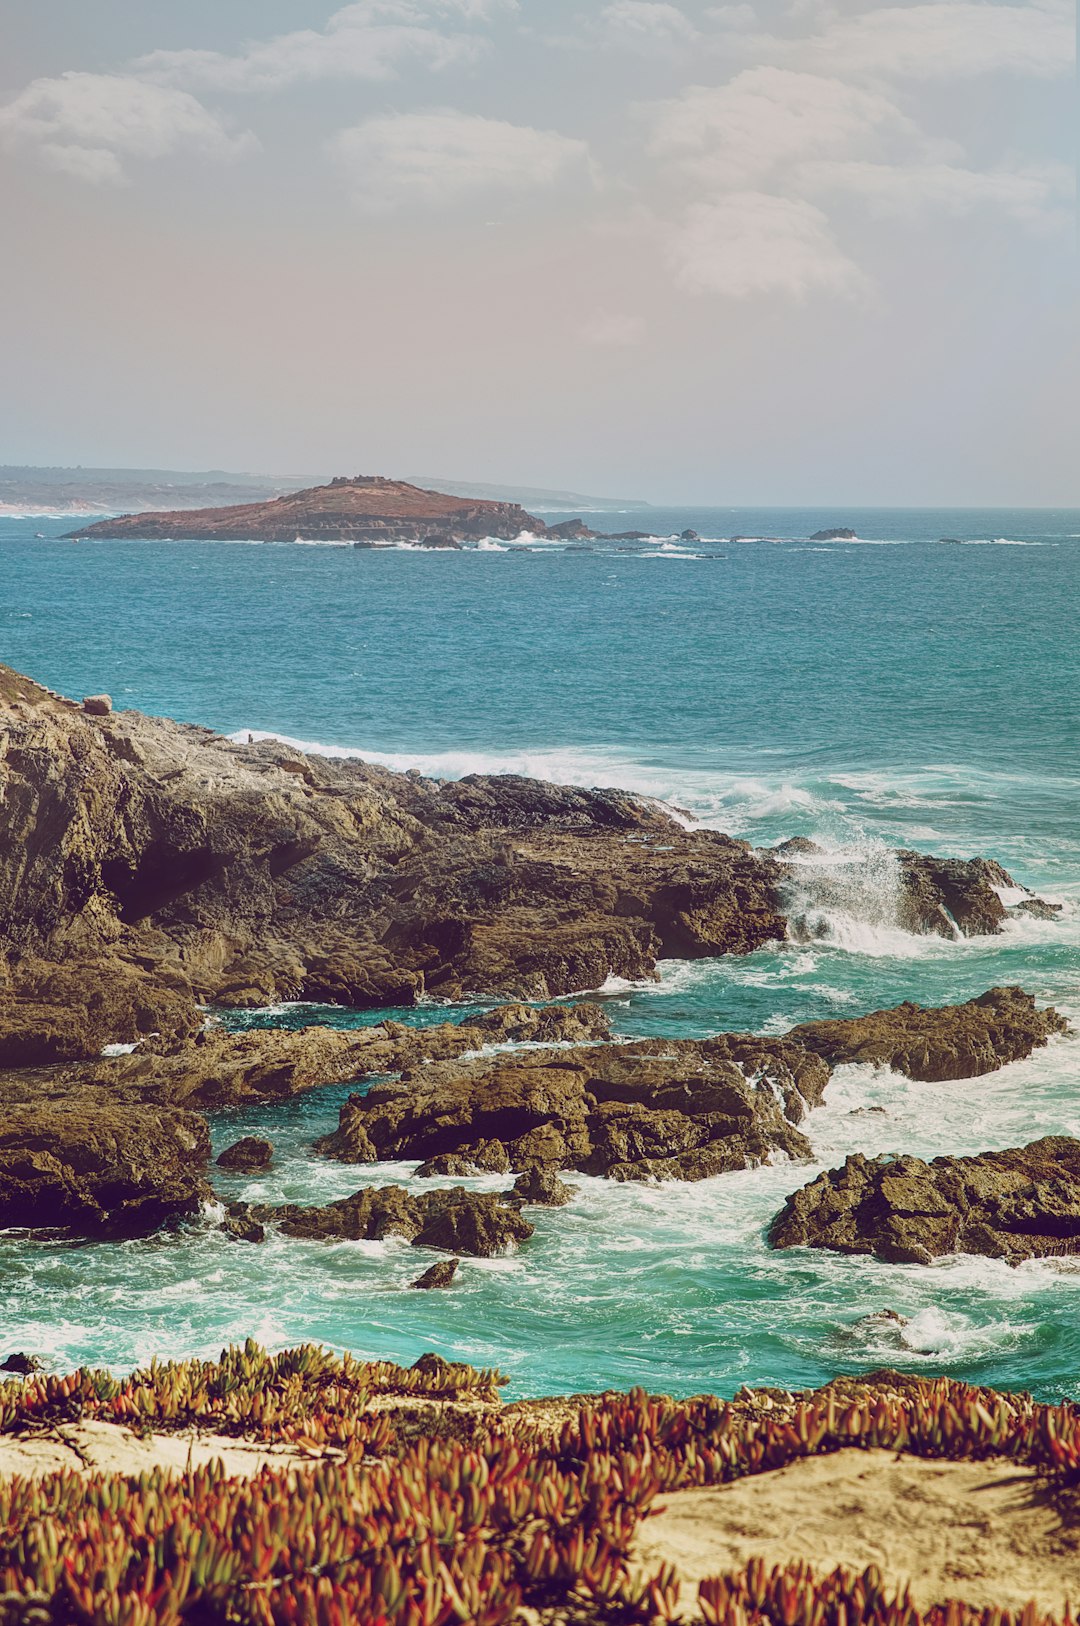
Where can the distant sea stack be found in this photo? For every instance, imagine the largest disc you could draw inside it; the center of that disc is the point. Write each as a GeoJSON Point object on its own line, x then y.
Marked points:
{"type": "Point", "coordinates": [369, 510]}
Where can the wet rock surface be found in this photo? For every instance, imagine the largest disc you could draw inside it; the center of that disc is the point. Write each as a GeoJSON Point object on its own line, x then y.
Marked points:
{"type": "Point", "coordinates": [955, 1041]}
{"type": "Point", "coordinates": [456, 1221]}
{"type": "Point", "coordinates": [440, 1274]}
{"type": "Point", "coordinates": [104, 1172]}
{"type": "Point", "coordinates": [642, 1110]}
{"type": "Point", "coordinates": [1019, 1204]}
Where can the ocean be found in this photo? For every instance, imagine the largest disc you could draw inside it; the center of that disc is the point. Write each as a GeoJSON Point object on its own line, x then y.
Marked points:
{"type": "Point", "coordinates": [894, 690]}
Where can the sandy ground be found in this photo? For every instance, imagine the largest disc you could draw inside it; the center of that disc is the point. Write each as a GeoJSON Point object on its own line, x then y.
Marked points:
{"type": "Point", "coordinates": [112, 1449]}
{"type": "Point", "coordinates": [981, 1531]}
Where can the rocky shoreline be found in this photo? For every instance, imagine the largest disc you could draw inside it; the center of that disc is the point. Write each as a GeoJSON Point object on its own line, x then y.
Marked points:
{"type": "Point", "coordinates": [150, 869]}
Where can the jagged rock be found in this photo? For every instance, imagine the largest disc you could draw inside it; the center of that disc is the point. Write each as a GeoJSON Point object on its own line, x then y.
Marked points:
{"type": "Point", "coordinates": [956, 1041]}
{"type": "Point", "coordinates": [457, 1221]}
{"type": "Point", "coordinates": [1036, 908]}
{"type": "Point", "coordinates": [439, 539]}
{"type": "Point", "coordinates": [1019, 1204]}
{"type": "Point", "coordinates": [542, 1189]}
{"type": "Point", "coordinates": [21, 1364]}
{"type": "Point", "coordinates": [247, 1155]}
{"type": "Point", "coordinates": [798, 847]}
{"type": "Point", "coordinates": [98, 705]}
{"type": "Point", "coordinates": [835, 533]}
{"type": "Point", "coordinates": [148, 868]}
{"type": "Point", "coordinates": [440, 1274]}
{"type": "Point", "coordinates": [241, 1227]}
{"type": "Point", "coordinates": [650, 1109]}
{"type": "Point", "coordinates": [221, 1069]}
{"type": "Point", "coordinates": [110, 1171]}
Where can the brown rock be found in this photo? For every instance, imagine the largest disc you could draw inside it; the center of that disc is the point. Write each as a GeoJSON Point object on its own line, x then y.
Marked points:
{"type": "Point", "coordinates": [370, 509]}
{"type": "Point", "coordinates": [541, 1188]}
{"type": "Point", "coordinates": [107, 1172]}
{"type": "Point", "coordinates": [440, 1274]}
{"type": "Point", "coordinates": [956, 1041]}
{"type": "Point", "coordinates": [598, 1110]}
{"type": "Point", "coordinates": [459, 1221]}
{"type": "Point", "coordinates": [247, 1155]}
{"type": "Point", "coordinates": [97, 705]}
{"type": "Point", "coordinates": [1014, 1205]}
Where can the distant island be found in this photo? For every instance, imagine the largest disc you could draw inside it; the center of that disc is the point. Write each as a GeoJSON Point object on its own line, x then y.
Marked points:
{"type": "Point", "coordinates": [368, 511]}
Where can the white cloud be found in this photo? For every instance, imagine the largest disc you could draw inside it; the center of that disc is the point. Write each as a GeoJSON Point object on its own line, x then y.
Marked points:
{"type": "Point", "coordinates": [88, 124]}
{"type": "Point", "coordinates": [371, 39]}
{"type": "Point", "coordinates": [947, 39]}
{"type": "Point", "coordinates": [439, 157]}
{"type": "Point", "coordinates": [747, 243]}
{"type": "Point", "coordinates": [733, 134]}
{"type": "Point", "coordinates": [645, 24]}
{"type": "Point", "coordinates": [1032, 196]}
{"type": "Point", "coordinates": [613, 330]}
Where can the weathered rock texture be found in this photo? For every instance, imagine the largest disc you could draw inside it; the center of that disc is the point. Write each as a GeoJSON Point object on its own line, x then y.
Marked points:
{"type": "Point", "coordinates": [110, 1172]}
{"type": "Point", "coordinates": [1014, 1205]}
{"type": "Point", "coordinates": [654, 1109]}
{"type": "Point", "coordinates": [456, 1220]}
{"type": "Point", "coordinates": [956, 1041]}
{"type": "Point", "coordinates": [148, 866]}
{"type": "Point", "coordinates": [368, 509]}
{"type": "Point", "coordinates": [665, 1109]}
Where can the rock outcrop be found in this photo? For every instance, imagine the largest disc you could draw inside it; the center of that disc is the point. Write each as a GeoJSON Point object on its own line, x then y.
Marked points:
{"type": "Point", "coordinates": [455, 1221]}
{"type": "Point", "coordinates": [955, 1041]}
{"type": "Point", "coordinates": [148, 867]}
{"type": "Point", "coordinates": [1013, 1205]}
{"type": "Point", "coordinates": [369, 509]}
{"type": "Point", "coordinates": [655, 1109]}
{"type": "Point", "coordinates": [104, 1173]}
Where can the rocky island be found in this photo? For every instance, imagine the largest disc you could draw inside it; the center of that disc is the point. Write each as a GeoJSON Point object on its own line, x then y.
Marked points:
{"type": "Point", "coordinates": [369, 510]}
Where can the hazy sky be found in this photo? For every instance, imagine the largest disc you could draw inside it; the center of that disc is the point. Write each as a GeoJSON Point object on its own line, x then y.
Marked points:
{"type": "Point", "coordinates": [782, 251]}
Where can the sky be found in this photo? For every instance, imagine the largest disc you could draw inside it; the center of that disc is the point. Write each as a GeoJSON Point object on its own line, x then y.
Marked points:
{"type": "Point", "coordinates": [763, 251]}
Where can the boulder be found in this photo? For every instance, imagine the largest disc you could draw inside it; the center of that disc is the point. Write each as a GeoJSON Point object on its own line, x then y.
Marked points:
{"type": "Point", "coordinates": [455, 1220]}
{"type": "Point", "coordinates": [100, 1171]}
{"type": "Point", "coordinates": [542, 1189]}
{"type": "Point", "coordinates": [247, 1155]}
{"type": "Point", "coordinates": [1019, 1204]}
{"type": "Point", "coordinates": [97, 705]}
{"type": "Point", "coordinates": [954, 1041]}
{"type": "Point", "coordinates": [440, 1274]}
{"type": "Point", "coordinates": [20, 1364]}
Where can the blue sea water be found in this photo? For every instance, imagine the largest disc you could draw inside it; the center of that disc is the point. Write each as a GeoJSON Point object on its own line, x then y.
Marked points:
{"type": "Point", "coordinates": [897, 689]}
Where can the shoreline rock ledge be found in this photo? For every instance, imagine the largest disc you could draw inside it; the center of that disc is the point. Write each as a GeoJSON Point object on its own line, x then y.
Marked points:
{"type": "Point", "coordinates": [1022, 1203]}
{"type": "Point", "coordinates": [148, 868]}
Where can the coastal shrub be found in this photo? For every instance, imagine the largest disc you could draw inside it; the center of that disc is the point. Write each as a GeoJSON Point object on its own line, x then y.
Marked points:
{"type": "Point", "coordinates": [403, 1531]}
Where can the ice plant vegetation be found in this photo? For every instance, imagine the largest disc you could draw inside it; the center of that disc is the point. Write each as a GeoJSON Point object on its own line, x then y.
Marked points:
{"type": "Point", "coordinates": [488, 1511]}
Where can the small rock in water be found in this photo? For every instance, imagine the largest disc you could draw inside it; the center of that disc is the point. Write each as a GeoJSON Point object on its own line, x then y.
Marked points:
{"type": "Point", "coordinates": [20, 1363]}
{"type": "Point", "coordinates": [441, 1274]}
{"type": "Point", "coordinates": [248, 1155]}
{"type": "Point", "coordinates": [98, 705]}
{"type": "Point", "coordinates": [240, 1225]}
{"type": "Point", "coordinates": [542, 1187]}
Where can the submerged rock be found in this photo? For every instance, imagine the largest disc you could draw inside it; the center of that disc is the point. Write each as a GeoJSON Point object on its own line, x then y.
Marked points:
{"type": "Point", "coordinates": [440, 1274]}
{"type": "Point", "coordinates": [1013, 1205]}
{"type": "Point", "coordinates": [953, 1041]}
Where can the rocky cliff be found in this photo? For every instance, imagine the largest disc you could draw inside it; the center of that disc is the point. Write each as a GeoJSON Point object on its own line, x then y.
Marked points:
{"type": "Point", "coordinates": [368, 510]}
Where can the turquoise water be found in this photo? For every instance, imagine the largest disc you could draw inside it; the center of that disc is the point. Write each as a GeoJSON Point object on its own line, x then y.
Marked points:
{"type": "Point", "coordinates": [891, 690]}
